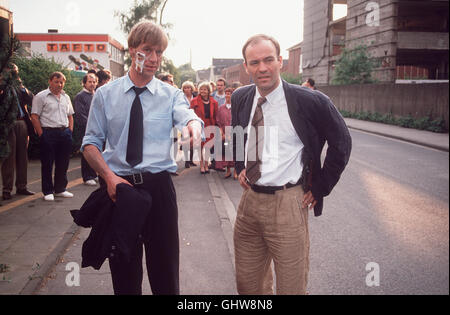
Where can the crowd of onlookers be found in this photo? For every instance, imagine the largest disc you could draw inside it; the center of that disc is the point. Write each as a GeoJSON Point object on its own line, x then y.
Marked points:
{"type": "Point", "coordinates": [52, 118]}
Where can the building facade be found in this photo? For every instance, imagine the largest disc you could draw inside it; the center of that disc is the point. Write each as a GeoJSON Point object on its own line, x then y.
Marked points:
{"type": "Point", "coordinates": [295, 60]}
{"type": "Point", "coordinates": [77, 51]}
{"type": "Point", "coordinates": [6, 21]}
{"type": "Point", "coordinates": [408, 38]}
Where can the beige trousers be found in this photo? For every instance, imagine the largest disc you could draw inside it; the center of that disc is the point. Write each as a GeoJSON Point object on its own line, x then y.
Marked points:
{"type": "Point", "coordinates": [18, 158]}
{"type": "Point", "coordinates": [272, 227]}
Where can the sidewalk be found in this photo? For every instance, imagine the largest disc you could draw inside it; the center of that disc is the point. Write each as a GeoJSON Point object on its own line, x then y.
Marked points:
{"type": "Point", "coordinates": [439, 141]}
{"type": "Point", "coordinates": [38, 238]}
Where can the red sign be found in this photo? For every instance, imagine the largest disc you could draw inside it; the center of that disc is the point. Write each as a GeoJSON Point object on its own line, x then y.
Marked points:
{"type": "Point", "coordinates": [89, 47]}
{"type": "Point", "coordinates": [64, 47]}
{"type": "Point", "coordinates": [101, 48]}
{"type": "Point", "coordinates": [77, 47]}
{"type": "Point", "coordinates": [52, 47]}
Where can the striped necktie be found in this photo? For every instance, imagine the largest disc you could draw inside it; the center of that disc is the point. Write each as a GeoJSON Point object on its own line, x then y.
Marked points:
{"type": "Point", "coordinates": [256, 144]}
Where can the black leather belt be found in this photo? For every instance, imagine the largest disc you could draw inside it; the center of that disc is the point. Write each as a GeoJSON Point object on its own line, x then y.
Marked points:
{"type": "Point", "coordinates": [270, 190]}
{"type": "Point", "coordinates": [55, 128]}
{"type": "Point", "coordinates": [141, 178]}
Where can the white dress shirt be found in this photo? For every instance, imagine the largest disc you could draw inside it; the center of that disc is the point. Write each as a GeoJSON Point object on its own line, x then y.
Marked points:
{"type": "Point", "coordinates": [281, 157]}
{"type": "Point", "coordinates": [53, 112]}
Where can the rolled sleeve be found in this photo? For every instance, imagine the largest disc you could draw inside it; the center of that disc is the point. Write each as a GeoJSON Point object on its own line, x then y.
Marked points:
{"type": "Point", "coordinates": [96, 129]}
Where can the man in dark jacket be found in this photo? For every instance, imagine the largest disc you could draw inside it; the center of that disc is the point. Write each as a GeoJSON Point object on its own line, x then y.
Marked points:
{"type": "Point", "coordinates": [82, 105]}
{"type": "Point", "coordinates": [287, 127]}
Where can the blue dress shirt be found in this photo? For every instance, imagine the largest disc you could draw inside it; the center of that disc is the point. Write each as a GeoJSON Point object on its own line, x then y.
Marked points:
{"type": "Point", "coordinates": [163, 105]}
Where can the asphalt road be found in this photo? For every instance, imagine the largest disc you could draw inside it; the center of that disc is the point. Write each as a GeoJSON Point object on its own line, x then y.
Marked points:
{"type": "Point", "coordinates": [389, 213]}
{"type": "Point", "coordinates": [391, 207]}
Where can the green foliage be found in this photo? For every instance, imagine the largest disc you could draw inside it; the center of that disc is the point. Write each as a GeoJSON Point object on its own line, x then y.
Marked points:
{"type": "Point", "coordinates": [186, 74]}
{"type": "Point", "coordinates": [35, 73]}
{"type": "Point", "coordinates": [424, 123]}
{"type": "Point", "coordinates": [354, 67]}
{"type": "Point", "coordinates": [168, 66]}
{"type": "Point", "coordinates": [294, 79]}
{"type": "Point", "coordinates": [9, 82]}
{"type": "Point", "coordinates": [142, 10]}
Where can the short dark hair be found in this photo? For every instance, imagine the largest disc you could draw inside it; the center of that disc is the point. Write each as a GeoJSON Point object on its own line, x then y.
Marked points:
{"type": "Point", "coordinates": [256, 39]}
{"type": "Point", "coordinates": [85, 78]}
{"type": "Point", "coordinates": [222, 80]}
{"type": "Point", "coordinates": [92, 71]}
{"type": "Point", "coordinates": [165, 77]}
{"type": "Point", "coordinates": [311, 82]}
{"type": "Point", "coordinates": [57, 75]}
{"type": "Point", "coordinates": [103, 75]}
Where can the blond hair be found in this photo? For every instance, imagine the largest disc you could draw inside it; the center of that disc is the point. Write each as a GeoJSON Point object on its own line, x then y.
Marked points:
{"type": "Point", "coordinates": [147, 32]}
{"type": "Point", "coordinates": [205, 84]}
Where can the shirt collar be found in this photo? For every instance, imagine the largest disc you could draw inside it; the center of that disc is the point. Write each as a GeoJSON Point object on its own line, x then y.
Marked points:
{"type": "Point", "coordinates": [152, 86]}
{"type": "Point", "coordinates": [272, 95]}
{"type": "Point", "coordinates": [87, 91]}
{"type": "Point", "coordinates": [50, 92]}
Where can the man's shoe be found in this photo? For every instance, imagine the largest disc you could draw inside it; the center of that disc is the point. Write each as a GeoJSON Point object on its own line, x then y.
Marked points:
{"type": "Point", "coordinates": [49, 197]}
{"type": "Point", "coordinates": [192, 163]}
{"type": "Point", "coordinates": [64, 194]}
{"type": "Point", "coordinates": [90, 182]}
{"type": "Point", "coordinates": [187, 165]}
{"type": "Point", "coordinates": [6, 195]}
{"type": "Point", "coordinates": [24, 192]}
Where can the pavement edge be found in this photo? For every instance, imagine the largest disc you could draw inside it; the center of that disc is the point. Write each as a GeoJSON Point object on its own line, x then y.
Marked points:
{"type": "Point", "coordinates": [37, 279]}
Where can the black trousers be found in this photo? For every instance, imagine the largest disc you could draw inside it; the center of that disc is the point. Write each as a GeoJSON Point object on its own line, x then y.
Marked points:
{"type": "Point", "coordinates": [161, 242]}
{"type": "Point", "coordinates": [55, 148]}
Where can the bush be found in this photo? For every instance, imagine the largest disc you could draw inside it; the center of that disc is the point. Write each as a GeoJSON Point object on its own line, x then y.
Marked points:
{"type": "Point", "coordinates": [424, 123]}
{"type": "Point", "coordinates": [354, 66]}
{"type": "Point", "coordinates": [293, 79]}
{"type": "Point", "coordinates": [35, 73]}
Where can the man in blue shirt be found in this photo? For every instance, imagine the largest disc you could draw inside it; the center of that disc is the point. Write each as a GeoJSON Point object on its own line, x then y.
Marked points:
{"type": "Point", "coordinates": [134, 116]}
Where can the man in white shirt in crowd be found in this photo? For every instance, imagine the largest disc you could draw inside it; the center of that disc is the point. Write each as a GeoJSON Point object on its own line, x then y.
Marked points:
{"type": "Point", "coordinates": [52, 118]}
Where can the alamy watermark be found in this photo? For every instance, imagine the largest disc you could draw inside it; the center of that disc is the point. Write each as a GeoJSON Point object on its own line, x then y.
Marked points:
{"type": "Point", "coordinates": [373, 17]}
{"type": "Point", "coordinates": [73, 277]}
{"type": "Point", "coordinates": [373, 277]}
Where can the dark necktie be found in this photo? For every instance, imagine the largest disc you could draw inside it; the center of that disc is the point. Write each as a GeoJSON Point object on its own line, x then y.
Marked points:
{"type": "Point", "coordinates": [256, 144]}
{"type": "Point", "coordinates": [136, 130]}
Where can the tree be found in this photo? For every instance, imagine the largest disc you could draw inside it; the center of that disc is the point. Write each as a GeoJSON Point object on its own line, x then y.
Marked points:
{"type": "Point", "coordinates": [354, 66]}
{"type": "Point", "coordinates": [142, 10]}
{"type": "Point", "coordinates": [186, 73]}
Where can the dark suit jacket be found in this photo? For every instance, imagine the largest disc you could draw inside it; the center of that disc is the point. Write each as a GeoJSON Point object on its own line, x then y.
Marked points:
{"type": "Point", "coordinates": [115, 225]}
{"type": "Point", "coordinates": [25, 101]}
{"type": "Point", "coordinates": [316, 121]}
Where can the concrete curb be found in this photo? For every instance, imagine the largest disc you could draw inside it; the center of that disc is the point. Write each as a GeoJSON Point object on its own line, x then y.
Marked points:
{"type": "Point", "coordinates": [38, 278]}
{"type": "Point", "coordinates": [414, 141]}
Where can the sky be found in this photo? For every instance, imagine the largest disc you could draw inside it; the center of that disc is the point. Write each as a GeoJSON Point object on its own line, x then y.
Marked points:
{"type": "Point", "coordinates": [206, 28]}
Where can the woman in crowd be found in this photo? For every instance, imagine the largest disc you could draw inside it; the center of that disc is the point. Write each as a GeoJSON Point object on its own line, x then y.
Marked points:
{"type": "Point", "coordinates": [206, 109]}
{"type": "Point", "coordinates": [223, 121]}
{"type": "Point", "coordinates": [188, 90]}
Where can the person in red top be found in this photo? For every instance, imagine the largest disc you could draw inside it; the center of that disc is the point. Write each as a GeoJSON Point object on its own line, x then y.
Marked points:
{"type": "Point", "coordinates": [223, 121]}
{"type": "Point", "coordinates": [206, 109]}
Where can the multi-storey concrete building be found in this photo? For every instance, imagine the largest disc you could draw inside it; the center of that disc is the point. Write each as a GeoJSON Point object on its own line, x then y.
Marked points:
{"type": "Point", "coordinates": [409, 38]}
